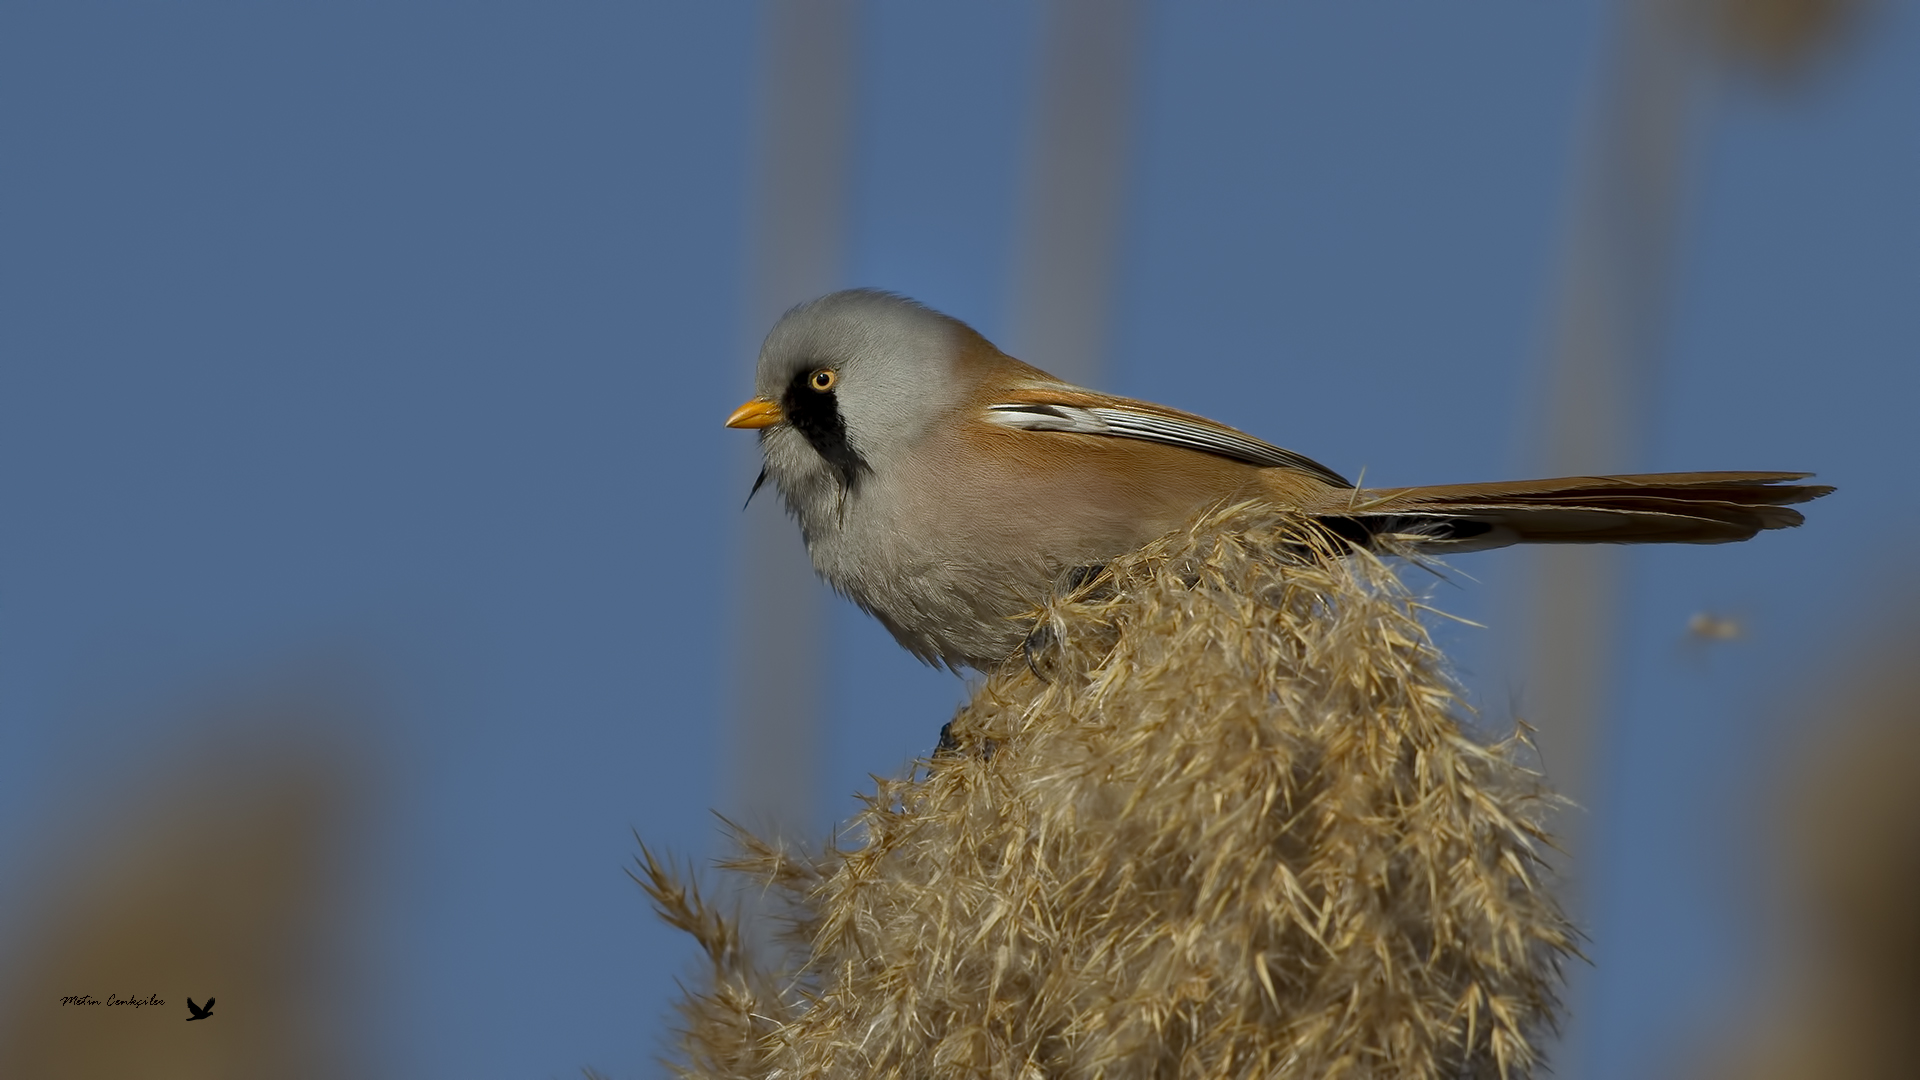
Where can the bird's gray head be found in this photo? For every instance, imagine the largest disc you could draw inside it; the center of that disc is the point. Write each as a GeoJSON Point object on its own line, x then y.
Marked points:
{"type": "Point", "coordinates": [857, 377]}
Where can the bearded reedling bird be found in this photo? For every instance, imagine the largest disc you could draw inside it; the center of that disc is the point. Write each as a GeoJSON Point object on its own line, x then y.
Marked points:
{"type": "Point", "coordinates": [948, 488]}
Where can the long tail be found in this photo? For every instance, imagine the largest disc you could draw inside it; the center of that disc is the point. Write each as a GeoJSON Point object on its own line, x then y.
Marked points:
{"type": "Point", "coordinates": [1656, 508]}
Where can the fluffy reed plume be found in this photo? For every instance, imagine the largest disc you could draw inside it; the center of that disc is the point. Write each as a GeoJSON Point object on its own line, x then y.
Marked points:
{"type": "Point", "coordinates": [1226, 823]}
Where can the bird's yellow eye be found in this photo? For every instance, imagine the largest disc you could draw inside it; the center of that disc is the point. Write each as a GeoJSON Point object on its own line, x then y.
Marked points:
{"type": "Point", "coordinates": [823, 379]}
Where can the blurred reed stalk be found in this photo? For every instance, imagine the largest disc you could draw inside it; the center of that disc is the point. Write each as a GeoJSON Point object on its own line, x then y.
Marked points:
{"type": "Point", "coordinates": [1602, 359]}
{"type": "Point", "coordinates": [1602, 373]}
{"type": "Point", "coordinates": [1072, 199]}
{"type": "Point", "coordinates": [799, 223]}
{"type": "Point", "coordinates": [1229, 819]}
{"type": "Point", "coordinates": [1074, 191]}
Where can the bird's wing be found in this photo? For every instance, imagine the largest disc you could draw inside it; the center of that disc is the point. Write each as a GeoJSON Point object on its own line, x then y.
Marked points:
{"type": "Point", "coordinates": [1058, 407]}
{"type": "Point", "coordinates": [209, 1005]}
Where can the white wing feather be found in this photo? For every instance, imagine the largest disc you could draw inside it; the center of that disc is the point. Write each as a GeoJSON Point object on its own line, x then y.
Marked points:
{"type": "Point", "coordinates": [1125, 423]}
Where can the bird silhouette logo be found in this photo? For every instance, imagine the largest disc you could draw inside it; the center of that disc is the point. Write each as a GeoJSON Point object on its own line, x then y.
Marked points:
{"type": "Point", "coordinates": [199, 1012]}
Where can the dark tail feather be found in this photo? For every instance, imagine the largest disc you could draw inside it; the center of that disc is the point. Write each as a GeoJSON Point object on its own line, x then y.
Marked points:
{"type": "Point", "coordinates": [1682, 508]}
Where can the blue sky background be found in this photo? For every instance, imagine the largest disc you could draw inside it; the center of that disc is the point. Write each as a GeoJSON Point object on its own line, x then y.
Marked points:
{"type": "Point", "coordinates": [402, 332]}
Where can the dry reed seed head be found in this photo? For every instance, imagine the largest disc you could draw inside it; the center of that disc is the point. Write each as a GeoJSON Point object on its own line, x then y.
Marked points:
{"type": "Point", "coordinates": [1229, 823]}
{"type": "Point", "coordinates": [1781, 39]}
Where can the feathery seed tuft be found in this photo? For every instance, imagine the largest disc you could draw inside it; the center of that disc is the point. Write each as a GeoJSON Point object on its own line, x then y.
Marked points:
{"type": "Point", "coordinates": [1227, 822]}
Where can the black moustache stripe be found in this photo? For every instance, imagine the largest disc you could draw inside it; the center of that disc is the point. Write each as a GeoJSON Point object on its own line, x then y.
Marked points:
{"type": "Point", "coordinates": [816, 416]}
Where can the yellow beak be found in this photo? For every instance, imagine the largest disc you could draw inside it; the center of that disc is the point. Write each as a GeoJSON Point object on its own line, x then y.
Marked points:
{"type": "Point", "coordinates": [756, 413]}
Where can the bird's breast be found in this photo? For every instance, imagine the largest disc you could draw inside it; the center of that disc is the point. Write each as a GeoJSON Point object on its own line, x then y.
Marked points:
{"type": "Point", "coordinates": [950, 547]}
